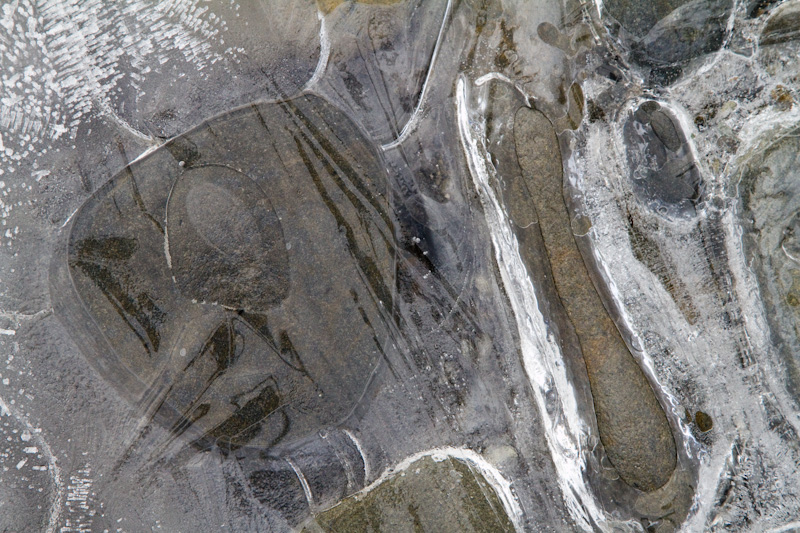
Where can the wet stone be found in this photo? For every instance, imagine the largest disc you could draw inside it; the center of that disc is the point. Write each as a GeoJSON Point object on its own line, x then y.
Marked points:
{"type": "Point", "coordinates": [430, 495]}
{"type": "Point", "coordinates": [277, 487]}
{"type": "Point", "coordinates": [332, 469]}
{"type": "Point", "coordinates": [782, 98]}
{"type": "Point", "coordinates": [333, 253]}
{"type": "Point", "coordinates": [575, 107]}
{"type": "Point", "coordinates": [648, 252]}
{"type": "Point", "coordinates": [581, 225]}
{"type": "Point", "coordinates": [703, 421]}
{"type": "Point", "coordinates": [783, 25]}
{"type": "Point", "coordinates": [757, 8]}
{"type": "Point", "coordinates": [225, 241]}
{"type": "Point", "coordinates": [238, 296]}
{"type": "Point", "coordinates": [770, 199]}
{"type": "Point", "coordinates": [569, 44]}
{"type": "Point", "coordinates": [664, 176]}
{"type": "Point", "coordinates": [396, 46]}
{"type": "Point", "coordinates": [665, 35]}
{"type": "Point", "coordinates": [631, 423]}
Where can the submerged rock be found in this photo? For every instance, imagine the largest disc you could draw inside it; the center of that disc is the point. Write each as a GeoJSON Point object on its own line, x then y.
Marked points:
{"type": "Point", "coordinates": [235, 284]}
{"type": "Point", "coordinates": [381, 53]}
{"type": "Point", "coordinates": [783, 25]}
{"type": "Point", "coordinates": [225, 241]}
{"type": "Point", "coordinates": [429, 496]}
{"type": "Point", "coordinates": [664, 176]}
{"type": "Point", "coordinates": [632, 425]}
{"type": "Point", "coordinates": [665, 35]}
{"type": "Point", "coordinates": [703, 421]}
{"type": "Point", "coordinates": [770, 194]}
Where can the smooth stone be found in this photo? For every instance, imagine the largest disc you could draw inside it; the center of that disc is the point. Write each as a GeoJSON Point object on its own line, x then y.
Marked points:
{"type": "Point", "coordinates": [769, 188]}
{"type": "Point", "coordinates": [783, 25]}
{"type": "Point", "coordinates": [703, 421]}
{"type": "Point", "coordinates": [665, 35]}
{"type": "Point", "coordinates": [632, 425]}
{"type": "Point", "coordinates": [665, 175]}
{"type": "Point", "coordinates": [429, 496]}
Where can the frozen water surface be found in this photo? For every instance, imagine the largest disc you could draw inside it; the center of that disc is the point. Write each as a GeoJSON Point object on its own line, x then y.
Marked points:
{"type": "Point", "coordinates": [399, 265]}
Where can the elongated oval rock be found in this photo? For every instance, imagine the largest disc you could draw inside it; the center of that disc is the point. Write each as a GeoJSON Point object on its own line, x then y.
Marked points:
{"type": "Point", "coordinates": [633, 427]}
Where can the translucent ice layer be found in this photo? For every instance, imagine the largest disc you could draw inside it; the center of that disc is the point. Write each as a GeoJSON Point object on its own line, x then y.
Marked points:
{"type": "Point", "coordinates": [399, 265]}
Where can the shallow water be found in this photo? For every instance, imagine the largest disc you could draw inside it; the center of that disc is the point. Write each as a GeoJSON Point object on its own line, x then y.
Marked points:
{"type": "Point", "coordinates": [324, 266]}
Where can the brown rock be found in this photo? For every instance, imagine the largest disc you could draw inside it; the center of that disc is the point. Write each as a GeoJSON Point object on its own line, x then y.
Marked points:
{"type": "Point", "coordinates": [632, 425]}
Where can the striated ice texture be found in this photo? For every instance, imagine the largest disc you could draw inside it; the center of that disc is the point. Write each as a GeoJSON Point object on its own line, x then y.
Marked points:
{"type": "Point", "coordinates": [399, 265]}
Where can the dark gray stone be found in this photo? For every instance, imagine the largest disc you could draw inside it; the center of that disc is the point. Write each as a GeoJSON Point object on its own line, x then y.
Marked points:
{"type": "Point", "coordinates": [663, 35]}
{"type": "Point", "coordinates": [664, 176]}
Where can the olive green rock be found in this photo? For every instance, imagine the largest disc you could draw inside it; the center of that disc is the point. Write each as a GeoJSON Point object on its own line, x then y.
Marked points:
{"type": "Point", "coordinates": [703, 421]}
{"type": "Point", "coordinates": [430, 496]}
